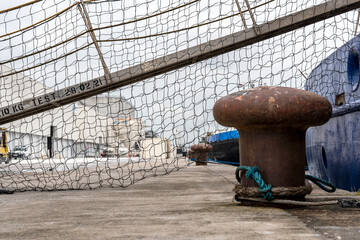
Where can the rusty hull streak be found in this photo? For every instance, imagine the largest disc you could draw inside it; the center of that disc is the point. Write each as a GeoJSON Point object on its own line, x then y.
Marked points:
{"type": "Point", "coordinates": [272, 122]}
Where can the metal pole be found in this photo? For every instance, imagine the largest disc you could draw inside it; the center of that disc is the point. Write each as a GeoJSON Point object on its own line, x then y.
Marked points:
{"type": "Point", "coordinates": [357, 22]}
{"type": "Point", "coordinates": [241, 13]}
{"type": "Point", "coordinates": [252, 16]}
{"type": "Point", "coordinates": [86, 18]}
{"type": "Point", "coordinates": [302, 74]}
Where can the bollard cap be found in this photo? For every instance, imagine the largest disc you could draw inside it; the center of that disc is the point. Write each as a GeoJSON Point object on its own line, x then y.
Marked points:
{"type": "Point", "coordinates": [202, 147]}
{"type": "Point", "coordinates": [274, 106]}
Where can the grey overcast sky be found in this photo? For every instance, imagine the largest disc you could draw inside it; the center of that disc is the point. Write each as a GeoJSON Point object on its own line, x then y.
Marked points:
{"type": "Point", "coordinates": [4, 4]}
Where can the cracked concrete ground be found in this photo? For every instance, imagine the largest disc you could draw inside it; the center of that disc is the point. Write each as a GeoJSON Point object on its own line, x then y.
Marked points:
{"type": "Point", "coordinates": [194, 203]}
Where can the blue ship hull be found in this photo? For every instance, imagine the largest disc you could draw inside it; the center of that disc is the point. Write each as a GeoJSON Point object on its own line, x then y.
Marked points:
{"type": "Point", "coordinates": [225, 147]}
{"type": "Point", "coordinates": [333, 149]}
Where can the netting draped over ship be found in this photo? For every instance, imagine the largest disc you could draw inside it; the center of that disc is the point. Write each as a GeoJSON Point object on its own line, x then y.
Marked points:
{"type": "Point", "coordinates": [84, 104]}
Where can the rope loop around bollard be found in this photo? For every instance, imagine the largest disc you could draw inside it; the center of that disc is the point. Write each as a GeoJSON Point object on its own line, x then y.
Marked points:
{"type": "Point", "coordinates": [266, 190]}
{"type": "Point", "coordinates": [253, 173]}
{"type": "Point", "coordinates": [320, 183]}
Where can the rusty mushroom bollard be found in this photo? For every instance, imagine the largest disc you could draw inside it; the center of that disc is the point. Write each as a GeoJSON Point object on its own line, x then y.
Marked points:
{"type": "Point", "coordinates": [200, 153]}
{"type": "Point", "coordinates": [272, 122]}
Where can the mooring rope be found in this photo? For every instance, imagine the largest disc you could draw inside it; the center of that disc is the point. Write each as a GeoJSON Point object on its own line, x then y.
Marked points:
{"type": "Point", "coordinates": [252, 194]}
{"type": "Point", "coordinates": [265, 189]}
{"type": "Point", "coordinates": [321, 182]}
{"type": "Point", "coordinates": [252, 173]}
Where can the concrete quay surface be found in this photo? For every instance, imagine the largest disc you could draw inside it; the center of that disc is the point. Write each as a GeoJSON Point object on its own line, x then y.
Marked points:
{"type": "Point", "coordinates": [193, 203]}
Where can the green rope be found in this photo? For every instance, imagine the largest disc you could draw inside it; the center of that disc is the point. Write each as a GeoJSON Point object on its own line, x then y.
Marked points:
{"type": "Point", "coordinates": [253, 173]}
{"type": "Point", "coordinates": [320, 183]}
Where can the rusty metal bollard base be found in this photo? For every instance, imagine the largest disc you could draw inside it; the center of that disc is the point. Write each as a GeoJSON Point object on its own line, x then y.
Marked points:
{"type": "Point", "coordinates": [200, 153]}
